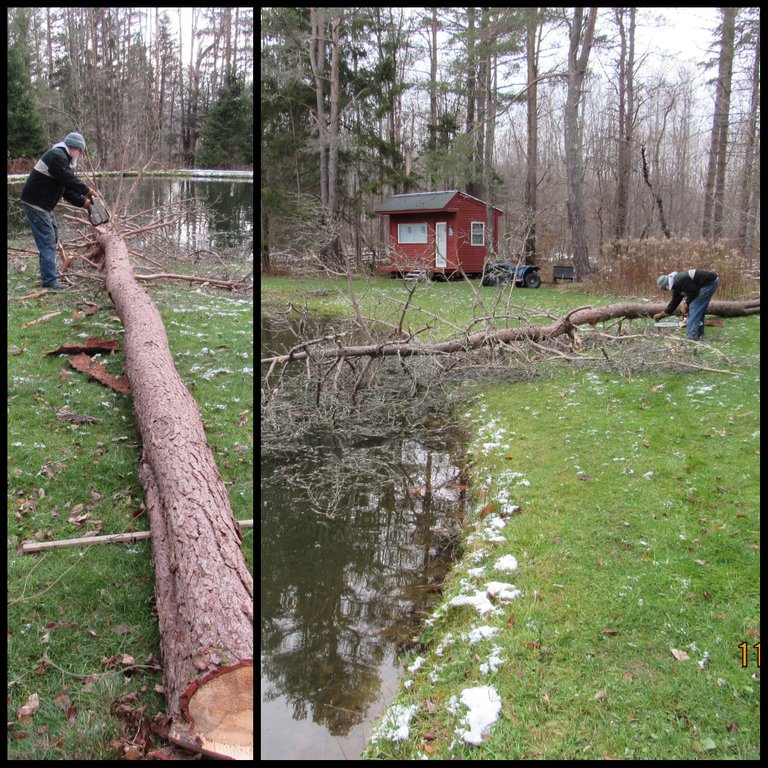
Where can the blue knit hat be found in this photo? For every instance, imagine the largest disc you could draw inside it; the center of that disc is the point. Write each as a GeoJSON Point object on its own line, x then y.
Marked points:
{"type": "Point", "coordinates": [75, 140]}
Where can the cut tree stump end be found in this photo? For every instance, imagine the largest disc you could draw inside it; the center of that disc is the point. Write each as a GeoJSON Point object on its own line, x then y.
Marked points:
{"type": "Point", "coordinates": [219, 710]}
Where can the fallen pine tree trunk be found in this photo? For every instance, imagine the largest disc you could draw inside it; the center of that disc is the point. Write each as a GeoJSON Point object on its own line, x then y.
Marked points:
{"type": "Point", "coordinates": [203, 588]}
{"type": "Point", "coordinates": [563, 326]}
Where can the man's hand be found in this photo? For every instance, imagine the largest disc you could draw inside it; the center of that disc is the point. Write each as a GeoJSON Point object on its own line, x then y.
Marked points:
{"type": "Point", "coordinates": [92, 192]}
{"type": "Point", "coordinates": [659, 315]}
{"type": "Point", "coordinates": [87, 204]}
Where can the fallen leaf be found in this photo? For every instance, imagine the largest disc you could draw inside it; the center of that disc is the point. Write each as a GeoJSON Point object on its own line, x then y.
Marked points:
{"type": "Point", "coordinates": [62, 701]}
{"type": "Point", "coordinates": [732, 726]}
{"type": "Point", "coordinates": [56, 624]}
{"type": "Point", "coordinates": [601, 695]}
{"type": "Point", "coordinates": [680, 655]}
{"type": "Point", "coordinates": [487, 509]}
{"type": "Point", "coordinates": [609, 631]}
{"type": "Point", "coordinates": [33, 702]}
{"type": "Point", "coordinates": [133, 752]}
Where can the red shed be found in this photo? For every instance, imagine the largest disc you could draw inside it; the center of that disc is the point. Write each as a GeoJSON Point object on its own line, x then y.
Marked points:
{"type": "Point", "coordinates": [438, 232]}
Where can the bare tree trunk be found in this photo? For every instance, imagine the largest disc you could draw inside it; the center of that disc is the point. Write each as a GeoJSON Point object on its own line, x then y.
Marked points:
{"type": "Point", "coordinates": [490, 139]}
{"type": "Point", "coordinates": [203, 588]}
{"type": "Point", "coordinates": [750, 193]}
{"type": "Point", "coordinates": [724, 97]}
{"type": "Point", "coordinates": [433, 87]}
{"type": "Point", "coordinates": [715, 185]}
{"type": "Point", "coordinates": [317, 62]}
{"type": "Point", "coordinates": [578, 57]}
{"type": "Point", "coordinates": [656, 195]}
{"type": "Point", "coordinates": [531, 160]}
{"type": "Point", "coordinates": [626, 118]}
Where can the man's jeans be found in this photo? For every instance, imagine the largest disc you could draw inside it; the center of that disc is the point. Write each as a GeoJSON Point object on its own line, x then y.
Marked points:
{"type": "Point", "coordinates": [696, 310]}
{"type": "Point", "coordinates": [46, 234]}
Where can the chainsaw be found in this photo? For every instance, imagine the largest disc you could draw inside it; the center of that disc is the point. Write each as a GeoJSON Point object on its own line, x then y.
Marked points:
{"type": "Point", "coordinates": [98, 213]}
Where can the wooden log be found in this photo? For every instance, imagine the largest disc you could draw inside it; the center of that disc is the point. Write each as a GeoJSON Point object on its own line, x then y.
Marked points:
{"type": "Point", "coordinates": [203, 588]}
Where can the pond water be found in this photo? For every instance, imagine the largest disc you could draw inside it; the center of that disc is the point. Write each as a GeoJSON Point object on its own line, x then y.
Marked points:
{"type": "Point", "coordinates": [218, 213]}
{"type": "Point", "coordinates": [357, 533]}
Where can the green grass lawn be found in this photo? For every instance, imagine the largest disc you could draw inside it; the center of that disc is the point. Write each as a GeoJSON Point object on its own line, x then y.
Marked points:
{"type": "Point", "coordinates": [79, 617]}
{"type": "Point", "coordinates": [628, 495]}
{"type": "Point", "coordinates": [636, 537]}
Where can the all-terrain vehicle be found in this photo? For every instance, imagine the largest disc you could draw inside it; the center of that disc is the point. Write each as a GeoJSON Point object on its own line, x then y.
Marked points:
{"type": "Point", "coordinates": [505, 272]}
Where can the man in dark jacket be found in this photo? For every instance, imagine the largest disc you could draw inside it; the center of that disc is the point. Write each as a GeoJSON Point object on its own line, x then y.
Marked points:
{"type": "Point", "coordinates": [52, 177]}
{"type": "Point", "coordinates": [697, 286]}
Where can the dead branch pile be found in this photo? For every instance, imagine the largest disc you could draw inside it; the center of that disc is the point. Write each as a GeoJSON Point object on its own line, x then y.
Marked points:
{"type": "Point", "coordinates": [336, 378]}
{"type": "Point", "coordinates": [405, 347]}
{"type": "Point", "coordinates": [142, 227]}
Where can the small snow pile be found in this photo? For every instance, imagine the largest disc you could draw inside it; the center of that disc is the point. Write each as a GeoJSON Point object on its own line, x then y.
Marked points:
{"type": "Point", "coordinates": [484, 705]}
{"type": "Point", "coordinates": [506, 563]}
{"type": "Point", "coordinates": [480, 599]}
{"type": "Point", "coordinates": [395, 725]}
{"type": "Point", "coordinates": [482, 633]}
{"type": "Point", "coordinates": [503, 591]}
{"type": "Point", "coordinates": [494, 661]}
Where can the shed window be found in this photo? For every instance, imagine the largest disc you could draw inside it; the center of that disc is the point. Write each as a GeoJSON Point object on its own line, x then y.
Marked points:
{"type": "Point", "coordinates": [478, 233]}
{"type": "Point", "coordinates": [412, 233]}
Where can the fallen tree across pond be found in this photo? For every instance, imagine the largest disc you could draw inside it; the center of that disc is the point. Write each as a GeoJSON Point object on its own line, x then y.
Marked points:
{"type": "Point", "coordinates": [203, 588]}
{"type": "Point", "coordinates": [566, 325]}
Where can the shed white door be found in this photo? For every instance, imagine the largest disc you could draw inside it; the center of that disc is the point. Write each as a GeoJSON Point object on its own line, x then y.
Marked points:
{"type": "Point", "coordinates": [441, 244]}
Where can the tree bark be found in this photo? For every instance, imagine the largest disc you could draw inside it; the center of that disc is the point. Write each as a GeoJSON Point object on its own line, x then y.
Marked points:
{"type": "Point", "coordinates": [564, 325]}
{"type": "Point", "coordinates": [715, 184]}
{"type": "Point", "coordinates": [580, 45]}
{"type": "Point", "coordinates": [203, 588]}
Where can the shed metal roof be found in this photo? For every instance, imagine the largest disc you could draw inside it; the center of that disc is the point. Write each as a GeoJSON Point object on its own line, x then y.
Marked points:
{"type": "Point", "coordinates": [421, 201]}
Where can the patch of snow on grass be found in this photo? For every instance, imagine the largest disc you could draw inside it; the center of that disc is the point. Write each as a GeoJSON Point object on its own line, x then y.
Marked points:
{"type": "Point", "coordinates": [484, 704]}
{"type": "Point", "coordinates": [396, 723]}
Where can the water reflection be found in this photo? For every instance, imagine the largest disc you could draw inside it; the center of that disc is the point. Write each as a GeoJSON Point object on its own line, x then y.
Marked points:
{"type": "Point", "coordinates": [355, 538]}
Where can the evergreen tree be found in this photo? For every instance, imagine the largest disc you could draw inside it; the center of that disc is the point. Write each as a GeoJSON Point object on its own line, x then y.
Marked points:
{"type": "Point", "coordinates": [227, 139]}
{"type": "Point", "coordinates": [26, 137]}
